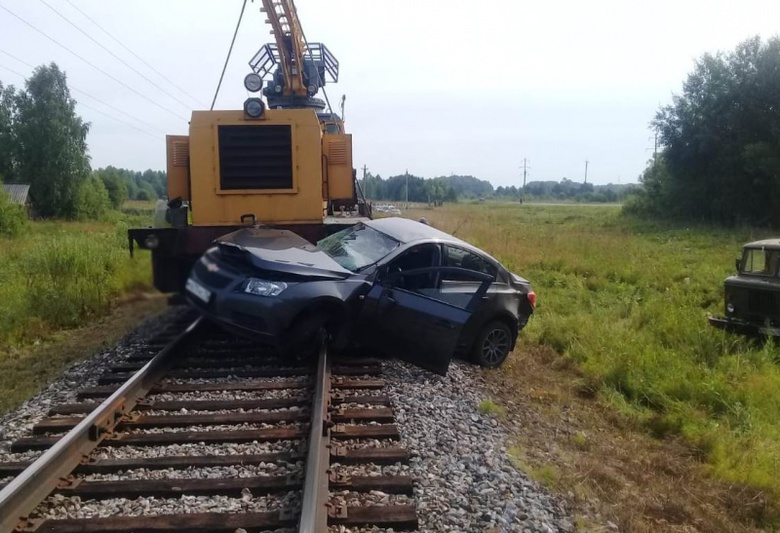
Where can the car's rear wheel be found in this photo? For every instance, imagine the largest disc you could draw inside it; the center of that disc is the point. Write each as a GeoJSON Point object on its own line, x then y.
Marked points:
{"type": "Point", "coordinates": [493, 345]}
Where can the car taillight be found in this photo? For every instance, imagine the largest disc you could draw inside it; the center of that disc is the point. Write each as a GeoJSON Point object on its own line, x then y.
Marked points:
{"type": "Point", "coordinates": [532, 299]}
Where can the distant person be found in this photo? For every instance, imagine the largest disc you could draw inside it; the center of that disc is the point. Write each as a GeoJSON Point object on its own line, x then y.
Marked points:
{"type": "Point", "coordinates": [423, 220]}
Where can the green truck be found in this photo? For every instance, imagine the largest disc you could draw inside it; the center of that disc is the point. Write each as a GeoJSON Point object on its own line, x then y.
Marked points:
{"type": "Point", "coordinates": [752, 295]}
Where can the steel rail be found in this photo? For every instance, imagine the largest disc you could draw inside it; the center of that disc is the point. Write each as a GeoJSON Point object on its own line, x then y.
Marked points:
{"type": "Point", "coordinates": [314, 510]}
{"type": "Point", "coordinates": [27, 490]}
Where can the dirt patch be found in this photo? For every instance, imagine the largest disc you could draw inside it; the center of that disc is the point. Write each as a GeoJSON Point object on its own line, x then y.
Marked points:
{"type": "Point", "coordinates": [614, 474]}
{"type": "Point", "coordinates": [24, 371]}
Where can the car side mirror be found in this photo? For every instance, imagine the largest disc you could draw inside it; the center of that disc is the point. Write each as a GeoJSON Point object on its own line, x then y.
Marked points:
{"type": "Point", "coordinates": [737, 264]}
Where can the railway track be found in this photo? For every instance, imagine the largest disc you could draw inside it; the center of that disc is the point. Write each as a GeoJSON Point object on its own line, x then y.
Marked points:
{"type": "Point", "coordinates": [205, 433]}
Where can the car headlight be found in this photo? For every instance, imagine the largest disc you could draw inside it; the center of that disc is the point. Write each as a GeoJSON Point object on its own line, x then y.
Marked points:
{"type": "Point", "coordinates": [730, 307]}
{"type": "Point", "coordinates": [261, 287]}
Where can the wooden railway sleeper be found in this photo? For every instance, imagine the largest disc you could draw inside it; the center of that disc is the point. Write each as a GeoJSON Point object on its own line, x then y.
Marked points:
{"type": "Point", "coordinates": [69, 482]}
{"type": "Point", "coordinates": [112, 435]}
{"type": "Point", "coordinates": [337, 511]}
{"type": "Point", "coordinates": [28, 525]}
{"type": "Point", "coordinates": [339, 479]}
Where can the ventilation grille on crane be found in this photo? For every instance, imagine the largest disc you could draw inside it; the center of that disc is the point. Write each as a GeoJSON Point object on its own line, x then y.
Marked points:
{"type": "Point", "coordinates": [337, 152]}
{"type": "Point", "coordinates": [255, 157]}
{"type": "Point", "coordinates": [181, 153]}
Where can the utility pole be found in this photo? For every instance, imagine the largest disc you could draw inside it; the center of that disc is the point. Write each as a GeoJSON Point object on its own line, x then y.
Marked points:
{"type": "Point", "coordinates": [655, 145]}
{"type": "Point", "coordinates": [365, 183]}
{"type": "Point", "coordinates": [586, 170]}
{"type": "Point", "coordinates": [525, 171]}
{"type": "Point", "coordinates": [407, 188]}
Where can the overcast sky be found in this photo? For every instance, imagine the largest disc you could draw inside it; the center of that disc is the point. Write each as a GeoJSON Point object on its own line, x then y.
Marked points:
{"type": "Point", "coordinates": [433, 86]}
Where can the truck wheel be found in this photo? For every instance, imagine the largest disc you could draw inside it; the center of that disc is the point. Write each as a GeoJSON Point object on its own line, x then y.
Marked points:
{"type": "Point", "coordinates": [493, 345]}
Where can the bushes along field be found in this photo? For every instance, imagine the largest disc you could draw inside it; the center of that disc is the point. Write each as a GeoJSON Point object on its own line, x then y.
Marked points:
{"type": "Point", "coordinates": [61, 274]}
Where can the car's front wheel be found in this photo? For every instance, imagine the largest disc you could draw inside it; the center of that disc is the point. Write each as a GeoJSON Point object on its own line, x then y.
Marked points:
{"type": "Point", "coordinates": [493, 345]}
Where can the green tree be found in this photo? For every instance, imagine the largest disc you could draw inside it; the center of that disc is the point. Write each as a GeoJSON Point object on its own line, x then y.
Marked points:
{"type": "Point", "coordinates": [7, 110]}
{"type": "Point", "coordinates": [50, 143]}
{"type": "Point", "coordinates": [92, 200]}
{"type": "Point", "coordinates": [115, 185]}
{"type": "Point", "coordinates": [144, 195]}
{"type": "Point", "coordinates": [721, 139]}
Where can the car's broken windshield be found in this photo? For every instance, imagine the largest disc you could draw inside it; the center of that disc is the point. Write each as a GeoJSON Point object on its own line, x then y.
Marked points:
{"type": "Point", "coordinates": [357, 247]}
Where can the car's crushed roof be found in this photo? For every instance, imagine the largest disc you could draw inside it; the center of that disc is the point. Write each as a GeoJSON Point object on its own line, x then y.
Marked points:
{"type": "Point", "coordinates": [406, 230]}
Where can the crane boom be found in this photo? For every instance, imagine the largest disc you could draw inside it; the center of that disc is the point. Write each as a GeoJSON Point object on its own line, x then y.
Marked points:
{"type": "Point", "coordinates": [286, 29]}
{"type": "Point", "coordinates": [297, 69]}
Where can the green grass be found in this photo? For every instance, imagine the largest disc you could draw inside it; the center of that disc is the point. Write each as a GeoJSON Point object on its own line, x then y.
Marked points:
{"type": "Point", "coordinates": [60, 275]}
{"type": "Point", "coordinates": [627, 301]}
{"type": "Point", "coordinates": [545, 474]}
{"type": "Point", "coordinates": [489, 407]}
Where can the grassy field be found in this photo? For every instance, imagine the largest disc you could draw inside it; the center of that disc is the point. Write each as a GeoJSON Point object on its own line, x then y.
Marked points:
{"type": "Point", "coordinates": [626, 302]}
{"type": "Point", "coordinates": [58, 276]}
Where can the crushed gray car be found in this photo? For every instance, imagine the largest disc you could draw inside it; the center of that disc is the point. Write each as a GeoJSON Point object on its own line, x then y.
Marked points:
{"type": "Point", "coordinates": [393, 285]}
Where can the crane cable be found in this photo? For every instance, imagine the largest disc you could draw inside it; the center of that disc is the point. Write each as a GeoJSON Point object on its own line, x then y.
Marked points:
{"type": "Point", "coordinates": [139, 58]}
{"type": "Point", "coordinates": [88, 95]}
{"type": "Point", "coordinates": [227, 59]}
{"type": "Point", "coordinates": [125, 63]}
{"type": "Point", "coordinates": [88, 106]}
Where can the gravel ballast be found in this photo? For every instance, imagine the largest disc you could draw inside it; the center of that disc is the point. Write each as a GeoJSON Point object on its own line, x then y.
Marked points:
{"type": "Point", "coordinates": [464, 479]}
{"type": "Point", "coordinates": [19, 422]}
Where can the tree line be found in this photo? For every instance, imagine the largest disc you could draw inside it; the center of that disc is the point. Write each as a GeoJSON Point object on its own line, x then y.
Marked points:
{"type": "Point", "coordinates": [568, 190]}
{"type": "Point", "coordinates": [720, 142]}
{"type": "Point", "coordinates": [452, 188]}
{"type": "Point", "coordinates": [43, 144]}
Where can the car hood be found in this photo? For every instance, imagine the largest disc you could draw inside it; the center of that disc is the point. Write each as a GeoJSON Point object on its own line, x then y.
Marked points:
{"type": "Point", "coordinates": [282, 251]}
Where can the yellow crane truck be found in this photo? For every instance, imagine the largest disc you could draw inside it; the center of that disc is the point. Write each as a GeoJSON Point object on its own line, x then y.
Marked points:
{"type": "Point", "coordinates": [285, 162]}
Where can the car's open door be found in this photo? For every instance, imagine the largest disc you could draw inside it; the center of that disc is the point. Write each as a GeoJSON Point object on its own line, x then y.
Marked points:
{"type": "Point", "coordinates": [420, 325]}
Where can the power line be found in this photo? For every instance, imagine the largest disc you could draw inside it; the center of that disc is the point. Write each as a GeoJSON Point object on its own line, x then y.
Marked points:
{"type": "Point", "coordinates": [139, 58]}
{"type": "Point", "coordinates": [90, 107]}
{"type": "Point", "coordinates": [76, 89]}
{"type": "Point", "coordinates": [52, 39]}
{"type": "Point", "coordinates": [227, 59]}
{"type": "Point", "coordinates": [153, 136]}
{"type": "Point", "coordinates": [118, 111]}
{"type": "Point", "coordinates": [12, 71]}
{"type": "Point", "coordinates": [125, 63]}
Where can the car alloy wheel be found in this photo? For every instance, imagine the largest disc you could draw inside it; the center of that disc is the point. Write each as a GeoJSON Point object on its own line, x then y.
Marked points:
{"type": "Point", "coordinates": [494, 345]}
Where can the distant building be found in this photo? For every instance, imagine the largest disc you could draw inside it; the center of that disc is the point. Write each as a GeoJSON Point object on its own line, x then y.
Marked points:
{"type": "Point", "coordinates": [20, 195]}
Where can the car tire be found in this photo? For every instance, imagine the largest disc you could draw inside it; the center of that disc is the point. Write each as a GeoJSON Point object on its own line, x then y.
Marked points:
{"type": "Point", "coordinates": [306, 337]}
{"type": "Point", "coordinates": [493, 345]}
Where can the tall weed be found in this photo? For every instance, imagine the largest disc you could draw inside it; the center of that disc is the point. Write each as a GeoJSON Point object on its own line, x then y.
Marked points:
{"type": "Point", "coordinates": [62, 274]}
